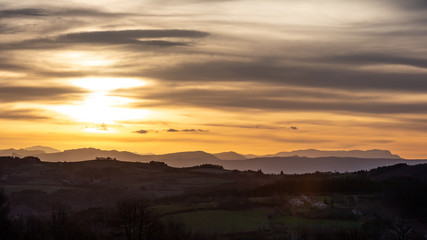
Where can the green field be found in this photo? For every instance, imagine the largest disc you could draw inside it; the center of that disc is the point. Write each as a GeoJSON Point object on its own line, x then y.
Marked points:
{"type": "Point", "coordinates": [300, 222]}
{"type": "Point", "coordinates": [223, 222]}
{"type": "Point", "coordinates": [178, 208]}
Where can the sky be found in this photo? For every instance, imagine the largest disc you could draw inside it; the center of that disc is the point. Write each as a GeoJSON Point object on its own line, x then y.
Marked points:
{"type": "Point", "coordinates": [160, 76]}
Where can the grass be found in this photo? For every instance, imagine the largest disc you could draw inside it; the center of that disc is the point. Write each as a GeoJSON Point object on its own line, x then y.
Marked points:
{"type": "Point", "coordinates": [300, 222]}
{"type": "Point", "coordinates": [226, 222]}
{"type": "Point", "coordinates": [44, 188]}
{"type": "Point", "coordinates": [177, 208]}
{"type": "Point", "coordinates": [223, 222]}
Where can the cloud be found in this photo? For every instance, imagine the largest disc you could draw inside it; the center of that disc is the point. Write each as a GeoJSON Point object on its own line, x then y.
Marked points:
{"type": "Point", "coordinates": [56, 12]}
{"type": "Point", "coordinates": [397, 123]}
{"type": "Point", "coordinates": [273, 100]}
{"type": "Point", "coordinates": [23, 114]}
{"type": "Point", "coordinates": [292, 75]}
{"type": "Point", "coordinates": [377, 58]}
{"type": "Point", "coordinates": [39, 94]}
{"type": "Point", "coordinates": [23, 12]}
{"type": "Point", "coordinates": [257, 126]}
{"type": "Point", "coordinates": [141, 131]}
{"type": "Point", "coordinates": [130, 38]}
{"type": "Point", "coordinates": [103, 127]}
{"type": "Point", "coordinates": [125, 36]}
{"type": "Point", "coordinates": [193, 130]}
{"type": "Point", "coordinates": [172, 130]}
{"type": "Point", "coordinates": [409, 4]}
{"type": "Point", "coordinates": [96, 128]}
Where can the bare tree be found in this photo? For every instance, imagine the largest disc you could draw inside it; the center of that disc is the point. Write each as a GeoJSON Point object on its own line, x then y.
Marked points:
{"type": "Point", "coordinates": [135, 219]}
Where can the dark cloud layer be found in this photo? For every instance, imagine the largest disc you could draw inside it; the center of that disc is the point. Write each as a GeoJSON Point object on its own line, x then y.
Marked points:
{"type": "Point", "coordinates": [129, 35]}
{"type": "Point", "coordinates": [269, 100]}
{"type": "Point", "coordinates": [378, 58]}
{"type": "Point", "coordinates": [38, 94]}
{"type": "Point", "coordinates": [23, 114]}
{"type": "Point", "coordinates": [55, 12]}
{"type": "Point", "coordinates": [334, 77]}
{"type": "Point", "coordinates": [409, 4]}
{"type": "Point", "coordinates": [23, 12]}
{"type": "Point", "coordinates": [132, 38]}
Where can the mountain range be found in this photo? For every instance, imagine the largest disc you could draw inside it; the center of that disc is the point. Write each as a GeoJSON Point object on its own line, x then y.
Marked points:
{"type": "Point", "coordinates": [302, 161]}
{"type": "Point", "coordinates": [314, 153]}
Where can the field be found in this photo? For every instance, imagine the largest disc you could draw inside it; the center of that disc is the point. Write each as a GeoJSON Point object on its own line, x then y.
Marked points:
{"type": "Point", "coordinates": [223, 222]}
{"type": "Point", "coordinates": [209, 218]}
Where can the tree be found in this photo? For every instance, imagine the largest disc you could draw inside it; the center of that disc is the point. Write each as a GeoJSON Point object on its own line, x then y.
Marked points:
{"type": "Point", "coordinates": [59, 223]}
{"type": "Point", "coordinates": [135, 219]}
{"type": "Point", "coordinates": [5, 224]}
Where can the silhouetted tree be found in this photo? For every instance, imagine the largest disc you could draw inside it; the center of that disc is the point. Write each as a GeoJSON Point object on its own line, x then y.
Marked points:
{"type": "Point", "coordinates": [33, 228]}
{"type": "Point", "coordinates": [5, 223]}
{"type": "Point", "coordinates": [135, 219]}
{"type": "Point", "coordinates": [59, 223]}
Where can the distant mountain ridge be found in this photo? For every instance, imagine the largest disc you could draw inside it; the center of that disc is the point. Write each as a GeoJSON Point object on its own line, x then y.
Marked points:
{"type": "Point", "coordinates": [229, 156]}
{"type": "Point", "coordinates": [181, 159]}
{"type": "Point", "coordinates": [29, 151]}
{"type": "Point", "coordinates": [296, 164]}
{"type": "Point", "coordinates": [42, 148]}
{"type": "Point", "coordinates": [314, 153]}
{"type": "Point", "coordinates": [231, 160]}
{"type": "Point", "coordinates": [20, 152]}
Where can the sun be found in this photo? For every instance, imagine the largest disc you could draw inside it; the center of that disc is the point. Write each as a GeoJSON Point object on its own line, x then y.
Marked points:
{"type": "Point", "coordinates": [99, 107]}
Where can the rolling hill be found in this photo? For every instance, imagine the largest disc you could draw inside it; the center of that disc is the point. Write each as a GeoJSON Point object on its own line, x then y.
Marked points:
{"type": "Point", "coordinates": [231, 160]}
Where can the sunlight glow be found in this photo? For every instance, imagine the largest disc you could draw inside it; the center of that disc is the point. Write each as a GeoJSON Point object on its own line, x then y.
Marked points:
{"type": "Point", "coordinates": [85, 59]}
{"type": "Point", "coordinates": [103, 128]}
{"type": "Point", "coordinates": [107, 84]}
{"type": "Point", "coordinates": [100, 108]}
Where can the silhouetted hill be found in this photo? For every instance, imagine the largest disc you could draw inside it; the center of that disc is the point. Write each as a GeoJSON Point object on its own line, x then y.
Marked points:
{"type": "Point", "coordinates": [297, 164]}
{"type": "Point", "coordinates": [400, 170]}
{"type": "Point", "coordinates": [314, 153]}
{"type": "Point", "coordinates": [188, 159]}
{"type": "Point", "coordinates": [231, 160]}
{"type": "Point", "coordinates": [17, 161]}
{"type": "Point", "coordinates": [80, 154]}
{"type": "Point", "coordinates": [229, 156]}
{"type": "Point", "coordinates": [182, 159]}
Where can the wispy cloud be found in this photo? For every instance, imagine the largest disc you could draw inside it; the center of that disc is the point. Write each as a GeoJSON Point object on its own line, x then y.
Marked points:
{"type": "Point", "coordinates": [40, 94]}
{"type": "Point", "coordinates": [171, 130]}
{"type": "Point", "coordinates": [23, 114]}
{"type": "Point", "coordinates": [130, 38]}
{"type": "Point", "coordinates": [288, 75]}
